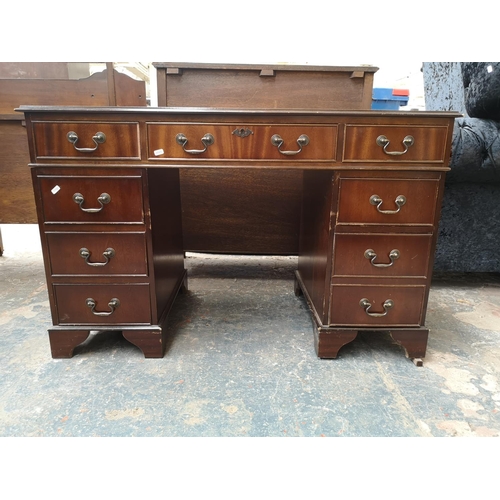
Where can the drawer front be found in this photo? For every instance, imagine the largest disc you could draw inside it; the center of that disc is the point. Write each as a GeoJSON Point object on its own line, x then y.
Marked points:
{"type": "Point", "coordinates": [405, 309]}
{"type": "Point", "coordinates": [83, 199]}
{"type": "Point", "coordinates": [391, 143]}
{"type": "Point", "coordinates": [387, 201]}
{"type": "Point", "coordinates": [80, 254]}
{"type": "Point", "coordinates": [103, 304]}
{"type": "Point", "coordinates": [244, 142]}
{"type": "Point", "coordinates": [381, 255]}
{"type": "Point", "coordinates": [86, 140]}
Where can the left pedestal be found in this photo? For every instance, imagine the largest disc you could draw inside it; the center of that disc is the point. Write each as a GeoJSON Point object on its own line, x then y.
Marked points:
{"type": "Point", "coordinates": [104, 268]}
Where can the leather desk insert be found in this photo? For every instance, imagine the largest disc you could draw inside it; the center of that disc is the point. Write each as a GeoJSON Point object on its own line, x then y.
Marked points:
{"type": "Point", "coordinates": [111, 221]}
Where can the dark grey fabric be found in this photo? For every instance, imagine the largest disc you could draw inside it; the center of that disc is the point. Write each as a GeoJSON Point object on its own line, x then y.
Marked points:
{"type": "Point", "coordinates": [469, 231]}
{"type": "Point", "coordinates": [482, 89]}
{"type": "Point", "coordinates": [475, 151]}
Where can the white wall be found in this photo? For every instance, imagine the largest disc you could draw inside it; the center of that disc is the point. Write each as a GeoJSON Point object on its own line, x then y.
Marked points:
{"type": "Point", "coordinates": [395, 36]}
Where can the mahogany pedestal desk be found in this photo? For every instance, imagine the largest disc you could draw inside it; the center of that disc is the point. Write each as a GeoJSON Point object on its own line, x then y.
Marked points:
{"type": "Point", "coordinates": [107, 191]}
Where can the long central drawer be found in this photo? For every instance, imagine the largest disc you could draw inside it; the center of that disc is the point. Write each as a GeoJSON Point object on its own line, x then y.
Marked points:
{"type": "Point", "coordinates": [242, 142]}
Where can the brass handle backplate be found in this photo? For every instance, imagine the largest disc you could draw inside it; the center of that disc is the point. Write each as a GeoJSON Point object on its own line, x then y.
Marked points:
{"type": "Point", "coordinates": [112, 304]}
{"type": "Point", "coordinates": [98, 138]}
{"type": "Point", "coordinates": [207, 140]}
{"type": "Point", "coordinates": [376, 200]}
{"type": "Point", "coordinates": [371, 256]}
{"type": "Point", "coordinates": [277, 141]}
{"type": "Point", "coordinates": [103, 199]}
{"type": "Point", "coordinates": [366, 305]}
{"type": "Point", "coordinates": [107, 254]}
{"type": "Point", "coordinates": [383, 142]}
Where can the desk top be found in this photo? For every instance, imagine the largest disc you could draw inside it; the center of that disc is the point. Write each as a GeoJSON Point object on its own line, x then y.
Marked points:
{"type": "Point", "coordinates": [231, 111]}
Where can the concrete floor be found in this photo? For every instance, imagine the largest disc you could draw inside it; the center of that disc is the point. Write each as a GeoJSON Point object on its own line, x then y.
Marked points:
{"type": "Point", "coordinates": [241, 362]}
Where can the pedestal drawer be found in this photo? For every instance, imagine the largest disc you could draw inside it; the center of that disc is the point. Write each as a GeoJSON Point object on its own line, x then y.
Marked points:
{"type": "Point", "coordinates": [365, 306]}
{"type": "Point", "coordinates": [387, 201]}
{"type": "Point", "coordinates": [395, 143]}
{"type": "Point", "coordinates": [242, 141]}
{"type": "Point", "coordinates": [103, 304]}
{"type": "Point", "coordinates": [381, 255]}
{"type": "Point", "coordinates": [86, 141]}
{"type": "Point", "coordinates": [89, 199]}
{"type": "Point", "coordinates": [78, 254]}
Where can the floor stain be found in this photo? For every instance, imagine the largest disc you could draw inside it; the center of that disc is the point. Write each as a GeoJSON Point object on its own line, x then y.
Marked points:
{"type": "Point", "coordinates": [231, 409]}
{"type": "Point", "coordinates": [27, 312]}
{"type": "Point", "coordinates": [402, 403]}
{"type": "Point", "coordinates": [192, 412]}
{"type": "Point", "coordinates": [457, 380]}
{"type": "Point", "coordinates": [471, 408]}
{"type": "Point", "coordinates": [490, 383]}
{"type": "Point", "coordinates": [485, 315]}
{"type": "Point", "coordinates": [456, 428]}
{"type": "Point", "coordinates": [120, 414]}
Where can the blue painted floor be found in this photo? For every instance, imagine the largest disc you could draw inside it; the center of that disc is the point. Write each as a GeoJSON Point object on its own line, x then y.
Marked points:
{"type": "Point", "coordinates": [241, 362]}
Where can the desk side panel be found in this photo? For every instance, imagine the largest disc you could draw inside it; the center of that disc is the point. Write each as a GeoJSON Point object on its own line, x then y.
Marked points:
{"type": "Point", "coordinates": [166, 234]}
{"type": "Point", "coordinates": [316, 238]}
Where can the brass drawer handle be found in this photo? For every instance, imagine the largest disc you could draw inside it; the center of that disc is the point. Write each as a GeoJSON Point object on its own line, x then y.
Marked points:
{"type": "Point", "coordinates": [371, 256]}
{"type": "Point", "coordinates": [107, 254]}
{"type": "Point", "coordinates": [207, 140]}
{"type": "Point", "coordinates": [103, 199]}
{"type": "Point", "coordinates": [112, 304]}
{"type": "Point", "coordinates": [302, 141]}
{"type": "Point", "coordinates": [366, 305]}
{"type": "Point", "coordinates": [98, 138]}
{"type": "Point", "coordinates": [383, 142]}
{"type": "Point", "coordinates": [375, 199]}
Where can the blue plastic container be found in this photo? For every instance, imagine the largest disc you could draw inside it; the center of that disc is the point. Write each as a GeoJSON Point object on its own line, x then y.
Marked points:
{"type": "Point", "coordinates": [385, 99]}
